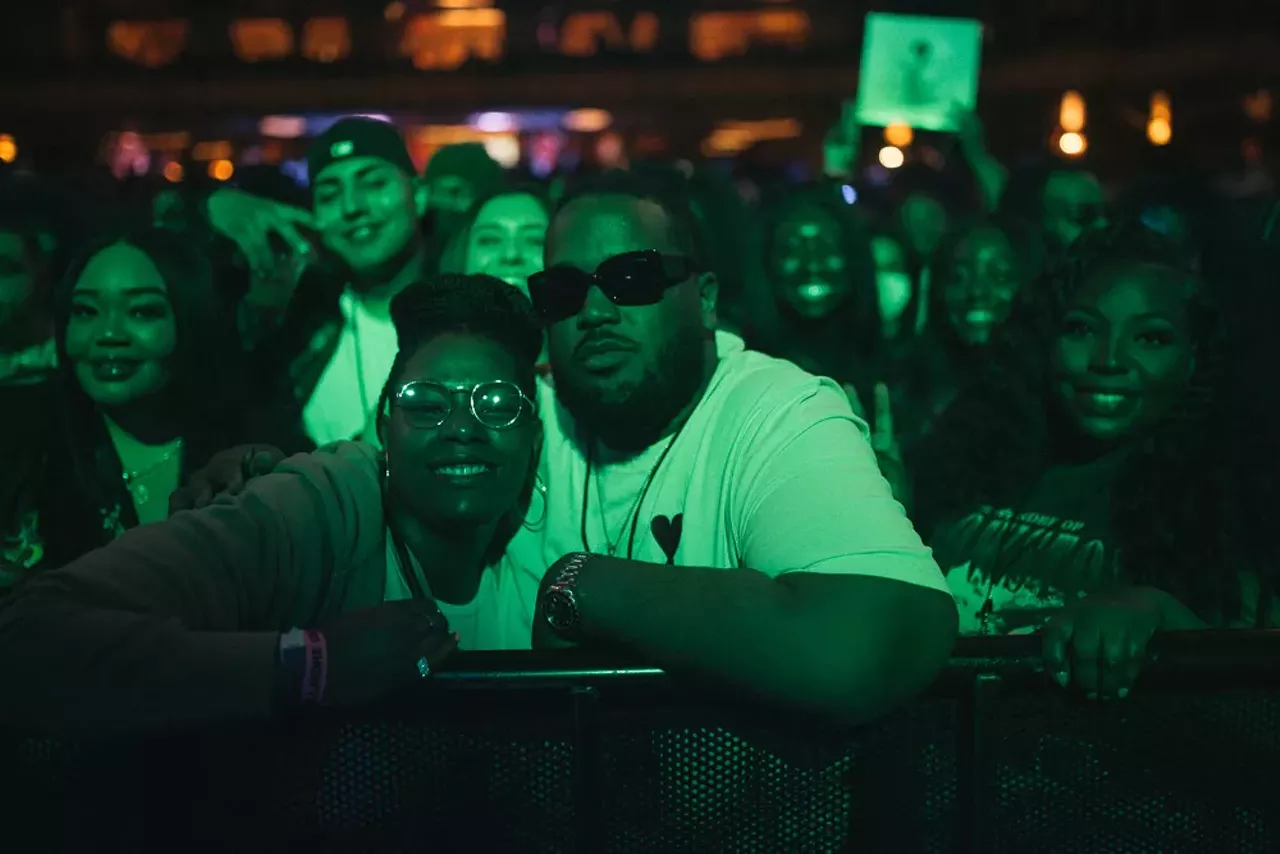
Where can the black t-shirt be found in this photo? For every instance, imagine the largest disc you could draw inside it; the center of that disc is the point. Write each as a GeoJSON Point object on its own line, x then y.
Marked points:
{"type": "Point", "coordinates": [1011, 569]}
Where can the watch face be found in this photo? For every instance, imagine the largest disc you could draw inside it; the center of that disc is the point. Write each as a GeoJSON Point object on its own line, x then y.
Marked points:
{"type": "Point", "coordinates": [560, 611]}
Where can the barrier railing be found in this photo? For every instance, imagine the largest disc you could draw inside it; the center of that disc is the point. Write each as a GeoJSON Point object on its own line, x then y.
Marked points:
{"type": "Point", "coordinates": [570, 752]}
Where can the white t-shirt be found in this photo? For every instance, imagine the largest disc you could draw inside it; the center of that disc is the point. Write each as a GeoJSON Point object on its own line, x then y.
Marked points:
{"type": "Point", "coordinates": [499, 617]}
{"type": "Point", "coordinates": [771, 472]}
{"type": "Point", "coordinates": [358, 368]}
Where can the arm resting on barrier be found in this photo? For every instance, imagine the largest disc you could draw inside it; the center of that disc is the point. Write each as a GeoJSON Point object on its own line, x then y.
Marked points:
{"type": "Point", "coordinates": [848, 646]}
{"type": "Point", "coordinates": [840, 608]}
{"type": "Point", "coordinates": [175, 624]}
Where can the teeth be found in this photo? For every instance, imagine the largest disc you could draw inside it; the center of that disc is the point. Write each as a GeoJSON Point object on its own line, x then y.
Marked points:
{"type": "Point", "coordinates": [1107, 401]}
{"type": "Point", "coordinates": [980, 316]}
{"type": "Point", "coordinates": [463, 471]}
{"type": "Point", "coordinates": [361, 234]}
{"type": "Point", "coordinates": [815, 290]}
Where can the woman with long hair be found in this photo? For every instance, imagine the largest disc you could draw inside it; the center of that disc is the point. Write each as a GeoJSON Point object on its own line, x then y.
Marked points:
{"type": "Point", "coordinates": [333, 580]}
{"type": "Point", "coordinates": [1079, 482]}
{"type": "Point", "coordinates": [502, 235]}
{"type": "Point", "coordinates": [149, 372]}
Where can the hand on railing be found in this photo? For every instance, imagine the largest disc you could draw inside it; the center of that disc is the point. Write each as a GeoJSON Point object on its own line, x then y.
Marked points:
{"type": "Point", "coordinates": [375, 652]}
{"type": "Point", "coordinates": [1099, 643]}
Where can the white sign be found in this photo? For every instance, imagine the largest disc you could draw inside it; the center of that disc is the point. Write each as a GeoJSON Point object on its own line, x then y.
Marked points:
{"type": "Point", "coordinates": [918, 70]}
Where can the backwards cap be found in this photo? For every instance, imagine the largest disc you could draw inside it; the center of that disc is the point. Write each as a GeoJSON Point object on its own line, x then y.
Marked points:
{"type": "Point", "coordinates": [358, 137]}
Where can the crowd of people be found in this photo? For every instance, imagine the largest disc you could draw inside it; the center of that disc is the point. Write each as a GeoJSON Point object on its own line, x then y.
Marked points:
{"type": "Point", "coordinates": [259, 455]}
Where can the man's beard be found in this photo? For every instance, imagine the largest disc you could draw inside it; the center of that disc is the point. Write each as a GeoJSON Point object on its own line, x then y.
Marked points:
{"type": "Point", "coordinates": [633, 417]}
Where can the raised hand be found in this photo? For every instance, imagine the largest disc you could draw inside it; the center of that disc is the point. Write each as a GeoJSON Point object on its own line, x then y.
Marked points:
{"type": "Point", "coordinates": [249, 221]}
{"type": "Point", "coordinates": [840, 147]}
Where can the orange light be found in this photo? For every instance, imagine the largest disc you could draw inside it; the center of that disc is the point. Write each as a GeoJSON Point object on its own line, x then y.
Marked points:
{"type": "Point", "coordinates": [1071, 113]}
{"type": "Point", "coordinates": [1160, 119]}
{"type": "Point", "coordinates": [898, 134]}
{"type": "Point", "coordinates": [221, 170]}
{"type": "Point", "coordinates": [8, 148]}
{"type": "Point", "coordinates": [1160, 106]}
{"type": "Point", "coordinates": [587, 121]}
{"type": "Point", "coordinates": [219, 150]}
{"type": "Point", "coordinates": [1159, 131]}
{"type": "Point", "coordinates": [173, 171]}
{"type": "Point", "coordinates": [1072, 144]}
{"type": "Point", "coordinates": [393, 12]}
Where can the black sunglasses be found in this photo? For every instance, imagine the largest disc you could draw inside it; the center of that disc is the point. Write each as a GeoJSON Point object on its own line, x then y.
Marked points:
{"type": "Point", "coordinates": [632, 278]}
{"type": "Point", "coordinates": [496, 405]}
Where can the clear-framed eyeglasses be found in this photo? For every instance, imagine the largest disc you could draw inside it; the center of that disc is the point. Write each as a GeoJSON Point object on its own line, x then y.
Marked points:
{"type": "Point", "coordinates": [496, 405]}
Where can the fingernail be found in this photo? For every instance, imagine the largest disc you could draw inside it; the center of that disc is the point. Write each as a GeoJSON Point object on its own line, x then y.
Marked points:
{"type": "Point", "coordinates": [1122, 693]}
{"type": "Point", "coordinates": [1061, 677]}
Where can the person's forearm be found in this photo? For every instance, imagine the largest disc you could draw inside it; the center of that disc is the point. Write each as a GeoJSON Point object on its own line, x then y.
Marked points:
{"type": "Point", "coordinates": [89, 672]}
{"type": "Point", "coordinates": [752, 632]}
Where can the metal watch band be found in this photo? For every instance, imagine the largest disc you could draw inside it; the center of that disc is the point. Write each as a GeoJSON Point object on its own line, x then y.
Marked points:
{"type": "Point", "coordinates": [562, 599]}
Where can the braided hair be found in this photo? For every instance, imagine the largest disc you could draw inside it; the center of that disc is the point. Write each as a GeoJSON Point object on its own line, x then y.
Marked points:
{"type": "Point", "coordinates": [1172, 498]}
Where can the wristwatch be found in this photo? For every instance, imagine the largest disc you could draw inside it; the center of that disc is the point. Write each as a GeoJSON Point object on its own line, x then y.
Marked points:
{"type": "Point", "coordinates": [560, 604]}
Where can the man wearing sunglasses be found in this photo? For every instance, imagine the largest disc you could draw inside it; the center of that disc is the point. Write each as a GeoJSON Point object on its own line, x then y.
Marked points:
{"type": "Point", "coordinates": [723, 516]}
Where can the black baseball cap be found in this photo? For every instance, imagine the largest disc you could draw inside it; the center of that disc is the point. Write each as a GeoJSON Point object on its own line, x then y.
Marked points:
{"type": "Point", "coordinates": [358, 137]}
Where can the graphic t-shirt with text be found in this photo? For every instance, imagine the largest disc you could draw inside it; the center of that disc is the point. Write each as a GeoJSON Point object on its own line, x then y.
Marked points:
{"type": "Point", "coordinates": [1011, 569]}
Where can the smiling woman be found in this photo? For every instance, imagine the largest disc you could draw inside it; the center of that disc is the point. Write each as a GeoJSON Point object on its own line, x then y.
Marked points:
{"type": "Point", "coordinates": [502, 235]}
{"type": "Point", "coordinates": [148, 364]}
{"type": "Point", "coordinates": [1082, 472]}
{"type": "Point", "coordinates": [376, 556]}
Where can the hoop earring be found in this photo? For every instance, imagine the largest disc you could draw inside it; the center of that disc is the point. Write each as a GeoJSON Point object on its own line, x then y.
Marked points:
{"type": "Point", "coordinates": [540, 489]}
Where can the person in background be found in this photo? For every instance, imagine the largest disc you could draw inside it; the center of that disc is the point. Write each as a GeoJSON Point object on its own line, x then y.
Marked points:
{"type": "Point", "coordinates": [1080, 486]}
{"type": "Point", "coordinates": [821, 310]}
{"type": "Point", "coordinates": [147, 388]}
{"type": "Point", "coordinates": [720, 516]}
{"type": "Point", "coordinates": [378, 554]}
{"type": "Point", "coordinates": [984, 269]}
{"type": "Point", "coordinates": [900, 320]}
{"type": "Point", "coordinates": [501, 236]}
{"type": "Point", "coordinates": [1061, 201]}
{"type": "Point", "coordinates": [28, 360]}
{"type": "Point", "coordinates": [457, 177]}
{"type": "Point", "coordinates": [330, 340]}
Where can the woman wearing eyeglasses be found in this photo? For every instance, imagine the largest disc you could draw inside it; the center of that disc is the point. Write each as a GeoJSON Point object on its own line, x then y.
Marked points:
{"type": "Point", "coordinates": [336, 579]}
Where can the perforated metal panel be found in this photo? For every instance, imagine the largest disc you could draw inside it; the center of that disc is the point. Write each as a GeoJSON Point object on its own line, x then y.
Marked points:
{"type": "Point", "coordinates": [695, 779]}
{"type": "Point", "coordinates": [1148, 774]}
{"type": "Point", "coordinates": [511, 770]}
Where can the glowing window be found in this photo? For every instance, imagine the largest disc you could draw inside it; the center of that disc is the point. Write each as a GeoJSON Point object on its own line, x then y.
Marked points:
{"type": "Point", "coordinates": [257, 39]}
{"type": "Point", "coordinates": [326, 39]}
{"type": "Point", "coordinates": [149, 43]}
{"type": "Point", "coordinates": [445, 40]}
{"type": "Point", "coordinates": [644, 32]}
{"type": "Point", "coordinates": [716, 35]}
{"type": "Point", "coordinates": [583, 33]}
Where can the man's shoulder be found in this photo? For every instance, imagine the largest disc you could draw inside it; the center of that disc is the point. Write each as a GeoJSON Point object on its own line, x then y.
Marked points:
{"type": "Point", "coordinates": [748, 380]}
